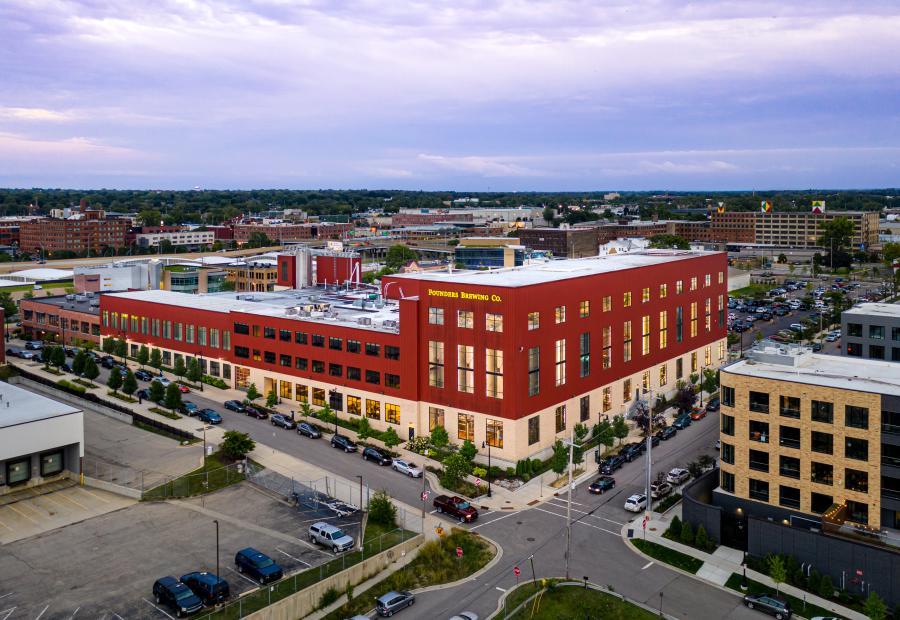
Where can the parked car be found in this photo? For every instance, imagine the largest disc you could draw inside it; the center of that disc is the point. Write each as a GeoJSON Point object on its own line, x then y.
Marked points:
{"type": "Point", "coordinates": [234, 405]}
{"type": "Point", "coordinates": [797, 327]}
{"type": "Point", "coordinates": [636, 502]}
{"type": "Point", "coordinates": [678, 475]}
{"type": "Point", "coordinates": [183, 389]}
{"type": "Point", "coordinates": [188, 408]}
{"type": "Point", "coordinates": [253, 412]}
{"type": "Point", "coordinates": [392, 602]}
{"type": "Point", "coordinates": [143, 374]}
{"type": "Point", "coordinates": [631, 451]}
{"type": "Point", "coordinates": [209, 416]}
{"type": "Point", "coordinates": [611, 464]}
{"type": "Point", "coordinates": [816, 347]}
{"type": "Point", "coordinates": [330, 536]}
{"type": "Point", "coordinates": [374, 454]}
{"type": "Point", "coordinates": [178, 597]}
{"type": "Point", "coordinates": [159, 378]}
{"type": "Point", "coordinates": [602, 484]}
{"type": "Point", "coordinates": [143, 393]}
{"type": "Point", "coordinates": [283, 421]}
{"type": "Point", "coordinates": [407, 467]}
{"type": "Point", "coordinates": [771, 605]}
{"type": "Point", "coordinates": [343, 443]}
{"type": "Point", "coordinates": [34, 345]}
{"type": "Point", "coordinates": [471, 615]}
{"type": "Point", "coordinates": [258, 565]}
{"type": "Point", "coordinates": [681, 422]}
{"type": "Point", "coordinates": [698, 414]}
{"type": "Point", "coordinates": [456, 507]}
{"type": "Point", "coordinates": [26, 355]}
{"type": "Point", "coordinates": [660, 489]}
{"type": "Point", "coordinates": [309, 429]}
{"type": "Point", "coordinates": [667, 433]}
{"type": "Point", "coordinates": [108, 361]}
{"type": "Point", "coordinates": [713, 404]}
{"type": "Point", "coordinates": [210, 588]}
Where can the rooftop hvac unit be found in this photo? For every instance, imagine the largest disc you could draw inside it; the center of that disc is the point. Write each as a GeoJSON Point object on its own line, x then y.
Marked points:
{"type": "Point", "coordinates": [364, 320]}
{"type": "Point", "coordinates": [290, 311]}
{"type": "Point", "coordinates": [95, 303]}
{"type": "Point", "coordinates": [70, 297]}
{"type": "Point", "coordinates": [302, 312]}
{"type": "Point", "coordinates": [89, 294]}
{"type": "Point", "coordinates": [389, 323]}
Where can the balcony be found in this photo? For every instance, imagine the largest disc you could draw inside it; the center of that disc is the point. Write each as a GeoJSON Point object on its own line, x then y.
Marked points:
{"type": "Point", "coordinates": [836, 522]}
{"type": "Point", "coordinates": [761, 495]}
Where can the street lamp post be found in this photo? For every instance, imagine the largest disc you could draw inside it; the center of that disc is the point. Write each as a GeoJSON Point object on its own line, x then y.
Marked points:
{"type": "Point", "coordinates": [216, 521]}
{"type": "Point", "coordinates": [489, 464]}
{"type": "Point", "coordinates": [331, 394]}
{"type": "Point", "coordinates": [424, 490]}
{"type": "Point", "coordinates": [744, 584]}
{"type": "Point", "coordinates": [200, 355]}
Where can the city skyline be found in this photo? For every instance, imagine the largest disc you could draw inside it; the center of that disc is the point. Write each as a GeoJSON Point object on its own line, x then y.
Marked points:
{"type": "Point", "coordinates": [469, 96]}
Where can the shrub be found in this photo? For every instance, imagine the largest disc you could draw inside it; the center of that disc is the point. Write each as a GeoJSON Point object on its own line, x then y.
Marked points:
{"type": "Point", "coordinates": [468, 450]}
{"type": "Point", "coordinates": [382, 510]}
{"type": "Point", "coordinates": [826, 588]}
{"type": "Point", "coordinates": [687, 534]}
{"type": "Point", "coordinates": [364, 429]}
{"type": "Point", "coordinates": [814, 582]}
{"type": "Point", "coordinates": [236, 445]}
{"type": "Point", "coordinates": [496, 472]}
{"type": "Point", "coordinates": [70, 387]}
{"type": "Point", "coordinates": [439, 437]}
{"type": "Point", "coordinates": [701, 538]}
{"type": "Point", "coordinates": [328, 597]}
{"type": "Point", "coordinates": [391, 438]}
{"type": "Point", "coordinates": [510, 472]}
{"type": "Point", "coordinates": [674, 530]}
{"type": "Point", "coordinates": [418, 444]}
{"type": "Point", "coordinates": [456, 467]}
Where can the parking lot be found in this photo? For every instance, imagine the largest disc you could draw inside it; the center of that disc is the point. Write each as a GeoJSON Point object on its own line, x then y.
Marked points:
{"type": "Point", "coordinates": [105, 567]}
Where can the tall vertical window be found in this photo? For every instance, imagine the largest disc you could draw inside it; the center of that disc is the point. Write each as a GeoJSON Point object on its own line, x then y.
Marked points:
{"type": "Point", "coordinates": [663, 375]}
{"type": "Point", "coordinates": [721, 277]}
{"type": "Point", "coordinates": [708, 315]}
{"type": "Point", "coordinates": [584, 309]}
{"type": "Point", "coordinates": [663, 329]}
{"type": "Point", "coordinates": [720, 306]}
{"type": "Point", "coordinates": [607, 347]}
{"type": "Point", "coordinates": [201, 336]}
{"type": "Point", "coordinates": [584, 354]}
{"type": "Point", "coordinates": [645, 335]}
{"type": "Point", "coordinates": [626, 347]}
{"type": "Point", "coordinates": [645, 295]}
{"type": "Point", "coordinates": [584, 406]}
{"type": "Point", "coordinates": [167, 329]}
{"type": "Point", "coordinates": [534, 320]}
{"type": "Point", "coordinates": [493, 430]}
{"type": "Point", "coordinates": [493, 322]}
{"type": "Point", "coordinates": [721, 349]}
{"type": "Point", "coordinates": [607, 303]}
{"type": "Point", "coordinates": [645, 381]}
{"type": "Point", "coordinates": [626, 299]}
{"type": "Point", "coordinates": [494, 372]}
{"type": "Point", "coordinates": [214, 338]}
{"type": "Point", "coordinates": [559, 314]}
{"type": "Point", "coordinates": [436, 316]}
{"type": "Point", "coordinates": [560, 362]}
{"type": "Point", "coordinates": [707, 356]}
{"type": "Point", "coordinates": [534, 371]}
{"type": "Point", "coordinates": [465, 368]}
{"type": "Point", "coordinates": [694, 283]}
{"type": "Point", "coordinates": [560, 418]}
{"type": "Point", "coordinates": [435, 418]}
{"type": "Point", "coordinates": [626, 391]}
{"type": "Point", "coordinates": [679, 287]}
{"type": "Point", "coordinates": [226, 340]}
{"type": "Point", "coordinates": [373, 409]}
{"type": "Point", "coordinates": [436, 364]}
{"type": "Point", "coordinates": [465, 319]}
{"type": "Point", "coordinates": [607, 399]}
{"type": "Point", "coordinates": [693, 319]}
{"type": "Point", "coordinates": [707, 279]}
{"type": "Point", "coordinates": [465, 427]}
{"type": "Point", "coordinates": [534, 430]}
{"type": "Point", "coordinates": [154, 328]}
{"type": "Point", "coordinates": [679, 324]}
{"type": "Point", "coordinates": [663, 291]}
{"type": "Point", "coordinates": [694, 361]}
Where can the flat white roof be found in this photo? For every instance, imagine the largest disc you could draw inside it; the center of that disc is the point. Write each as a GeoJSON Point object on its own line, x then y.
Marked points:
{"type": "Point", "coordinates": [19, 406]}
{"type": "Point", "coordinates": [539, 273]}
{"type": "Point", "coordinates": [861, 375]}
{"type": "Point", "coordinates": [873, 309]}
{"type": "Point", "coordinates": [212, 303]}
{"type": "Point", "coordinates": [44, 273]}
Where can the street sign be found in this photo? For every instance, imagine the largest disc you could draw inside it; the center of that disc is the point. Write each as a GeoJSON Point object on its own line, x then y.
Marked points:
{"type": "Point", "coordinates": [439, 531]}
{"type": "Point", "coordinates": [517, 571]}
{"type": "Point", "coordinates": [424, 496]}
{"type": "Point", "coordinates": [644, 524]}
{"type": "Point", "coordinates": [459, 552]}
{"type": "Point", "coordinates": [859, 573]}
{"type": "Point", "coordinates": [477, 482]}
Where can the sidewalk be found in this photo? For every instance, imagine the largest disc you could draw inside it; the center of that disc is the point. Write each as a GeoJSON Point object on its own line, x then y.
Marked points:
{"type": "Point", "coordinates": [719, 566]}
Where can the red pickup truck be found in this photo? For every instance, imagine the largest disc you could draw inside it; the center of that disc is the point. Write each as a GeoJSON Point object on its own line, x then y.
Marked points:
{"type": "Point", "coordinates": [456, 507]}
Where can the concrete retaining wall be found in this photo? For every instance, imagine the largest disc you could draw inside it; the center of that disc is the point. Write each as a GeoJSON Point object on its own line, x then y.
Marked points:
{"type": "Point", "coordinates": [304, 602]}
{"type": "Point", "coordinates": [112, 488]}
{"type": "Point", "coordinates": [70, 399]}
{"type": "Point", "coordinates": [697, 507]}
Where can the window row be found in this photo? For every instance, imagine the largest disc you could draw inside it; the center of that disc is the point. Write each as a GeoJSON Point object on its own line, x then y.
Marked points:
{"type": "Point", "coordinates": [352, 373]}
{"type": "Point", "coordinates": [333, 343]}
{"type": "Point", "coordinates": [790, 407]}
{"type": "Point", "coordinates": [465, 427]}
{"type": "Point", "coordinates": [168, 330]}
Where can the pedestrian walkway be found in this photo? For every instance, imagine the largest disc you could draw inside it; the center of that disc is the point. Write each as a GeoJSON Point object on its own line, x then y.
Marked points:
{"type": "Point", "coordinates": [720, 565]}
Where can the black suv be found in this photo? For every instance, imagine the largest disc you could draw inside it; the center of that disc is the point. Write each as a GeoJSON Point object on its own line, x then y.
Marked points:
{"type": "Point", "coordinates": [308, 429]}
{"type": "Point", "coordinates": [667, 433]}
{"type": "Point", "coordinates": [142, 374]}
{"type": "Point", "coordinates": [713, 404]}
{"type": "Point", "coordinates": [374, 454]}
{"type": "Point", "coordinates": [171, 592]}
{"type": "Point", "coordinates": [631, 451]}
{"type": "Point", "coordinates": [234, 405]}
{"type": "Point", "coordinates": [258, 565]}
{"type": "Point", "coordinates": [210, 588]}
{"type": "Point", "coordinates": [611, 464]}
{"type": "Point", "coordinates": [108, 361]}
{"type": "Point", "coordinates": [253, 412]}
{"type": "Point", "coordinates": [343, 442]}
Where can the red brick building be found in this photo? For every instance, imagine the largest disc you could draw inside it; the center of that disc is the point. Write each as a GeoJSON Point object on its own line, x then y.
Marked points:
{"type": "Point", "coordinates": [292, 232]}
{"type": "Point", "coordinates": [68, 319]}
{"type": "Point", "coordinates": [515, 357]}
{"type": "Point", "coordinates": [94, 232]}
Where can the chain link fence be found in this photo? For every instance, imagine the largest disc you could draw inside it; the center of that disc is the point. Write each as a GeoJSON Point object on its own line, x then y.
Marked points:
{"type": "Point", "coordinates": [198, 483]}
{"type": "Point", "coordinates": [119, 474]}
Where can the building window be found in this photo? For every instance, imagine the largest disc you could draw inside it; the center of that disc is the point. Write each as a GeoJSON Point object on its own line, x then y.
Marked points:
{"type": "Point", "coordinates": [51, 463]}
{"type": "Point", "coordinates": [727, 482]}
{"type": "Point", "coordinates": [759, 490]}
{"type": "Point", "coordinates": [822, 442]}
{"type": "Point", "coordinates": [391, 352]}
{"type": "Point", "coordinates": [436, 316]}
{"type": "Point", "coordinates": [178, 336]}
{"type": "Point", "coordinates": [721, 350]}
{"type": "Point", "coordinates": [694, 283]}
{"type": "Point", "coordinates": [822, 411]}
{"type": "Point", "coordinates": [679, 287]}
{"type": "Point", "coordinates": [679, 368]}
{"type": "Point", "coordinates": [494, 433]}
{"type": "Point", "coordinates": [707, 280]}
{"type": "Point", "coordinates": [854, 349]}
{"type": "Point", "coordinates": [534, 320]}
{"type": "Point", "coordinates": [789, 406]}
{"type": "Point", "coordinates": [391, 413]}
{"type": "Point", "coordinates": [789, 497]}
{"type": "Point", "coordinates": [876, 352]}
{"type": "Point", "coordinates": [436, 364]}
{"type": "Point", "coordinates": [286, 389]}
{"type": "Point", "coordinates": [318, 397]}
{"type": "Point", "coordinates": [645, 381]}
{"type": "Point", "coordinates": [663, 291]}
{"type": "Point", "coordinates": [789, 467]}
{"type": "Point", "coordinates": [856, 417]}
{"type": "Point", "coordinates": [789, 437]}
{"type": "Point", "coordinates": [663, 375]}
{"type": "Point", "coordinates": [534, 371]}
{"type": "Point", "coordinates": [759, 460]}
{"type": "Point", "coordinates": [728, 425]}
{"type": "Point", "coordinates": [317, 365]}
{"type": "Point", "coordinates": [626, 391]}
{"type": "Point", "coordinates": [300, 363]}
{"type": "Point", "coordinates": [373, 409]}
{"type": "Point", "coordinates": [560, 349]}
{"type": "Point", "coordinates": [284, 360]}
{"type": "Point", "coordinates": [373, 349]}
{"type": "Point", "coordinates": [679, 324]}
{"type": "Point", "coordinates": [693, 319]}
{"type": "Point", "coordinates": [465, 427]}
{"type": "Point", "coordinates": [354, 373]}
{"type": "Point", "coordinates": [876, 332]}
{"type": "Point", "coordinates": [857, 449]}
{"type": "Point", "coordinates": [318, 341]}
{"type": "Point", "coordinates": [819, 503]}
{"type": "Point", "coordinates": [607, 399]}
{"type": "Point", "coordinates": [727, 453]}
{"type": "Point", "coordinates": [242, 352]}
{"type": "Point", "coordinates": [559, 314]}
{"type": "Point", "coordinates": [759, 402]}
{"type": "Point", "coordinates": [167, 329]}
{"type": "Point", "coordinates": [299, 337]}
{"type": "Point", "coordinates": [584, 354]}
{"type": "Point", "coordinates": [435, 418]}
{"type": "Point", "coordinates": [494, 372]}
{"type": "Point", "coordinates": [645, 335]}
{"type": "Point", "coordinates": [607, 347]}
{"type": "Point", "coordinates": [645, 295]}
{"type": "Point", "coordinates": [855, 480]}
{"type": "Point", "coordinates": [214, 338]}
{"type": "Point", "coordinates": [663, 329]}
{"type": "Point", "coordinates": [493, 322]}
{"type": "Point", "coordinates": [391, 381]}
{"type": "Point", "coordinates": [721, 279]}
{"type": "Point", "coordinates": [334, 370]}
{"type": "Point", "coordinates": [607, 303]}
{"type": "Point", "coordinates": [560, 418]}
{"type": "Point", "coordinates": [626, 299]}
{"type": "Point", "coordinates": [465, 368]}
{"type": "Point", "coordinates": [373, 377]}
{"type": "Point", "coordinates": [584, 309]}
{"type": "Point", "coordinates": [354, 405]}
{"type": "Point", "coordinates": [353, 346]}
{"type": "Point", "coordinates": [707, 321]}
{"type": "Point", "coordinates": [18, 471]}
{"type": "Point", "coordinates": [465, 319]}
{"type": "Point", "coordinates": [721, 310]}
{"type": "Point", "coordinates": [626, 345]}
{"type": "Point", "coordinates": [335, 344]}
{"type": "Point", "coordinates": [534, 430]}
{"type": "Point", "coordinates": [857, 512]}
{"type": "Point", "coordinates": [727, 396]}
{"type": "Point", "coordinates": [855, 330]}
{"type": "Point", "coordinates": [759, 431]}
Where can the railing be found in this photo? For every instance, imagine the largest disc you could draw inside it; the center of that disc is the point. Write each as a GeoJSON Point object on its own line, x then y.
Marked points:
{"type": "Point", "coordinates": [890, 429]}
{"type": "Point", "coordinates": [789, 473]}
{"type": "Point", "coordinates": [197, 484]}
{"type": "Point", "coordinates": [892, 493]}
{"type": "Point", "coordinates": [759, 466]}
{"type": "Point", "coordinates": [760, 495]}
{"type": "Point", "coordinates": [890, 460]}
{"type": "Point", "coordinates": [789, 413]}
{"type": "Point", "coordinates": [789, 443]}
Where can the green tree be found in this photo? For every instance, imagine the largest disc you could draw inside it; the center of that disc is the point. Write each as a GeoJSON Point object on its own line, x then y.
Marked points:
{"type": "Point", "coordinates": [826, 588]}
{"type": "Point", "coordinates": [179, 369]}
{"type": "Point", "coordinates": [549, 215]}
{"type": "Point", "coordinates": [391, 438]}
{"type": "Point", "coordinates": [143, 355]}
{"type": "Point", "coordinates": [114, 382]}
{"type": "Point", "coordinates": [687, 533]}
{"type": "Point", "coordinates": [172, 398]}
{"type": "Point", "coordinates": [777, 570]}
{"type": "Point", "coordinates": [9, 306]}
{"type": "Point", "coordinates": [121, 348]}
{"type": "Point", "coordinates": [129, 384]}
{"type": "Point", "coordinates": [150, 217]}
{"type": "Point", "coordinates": [306, 410]}
{"type": "Point", "coordinates": [559, 461]}
{"type": "Point", "coordinates": [236, 445]}
{"type": "Point", "coordinates": [252, 392]}
{"type": "Point", "coordinates": [456, 468]}
{"type": "Point", "coordinates": [399, 256]}
{"type": "Point", "coordinates": [889, 253]}
{"type": "Point", "coordinates": [709, 382]}
{"type": "Point", "coordinates": [439, 437]}
{"type": "Point", "coordinates": [701, 538]}
{"type": "Point", "coordinates": [271, 398]}
{"type": "Point", "coordinates": [78, 362]}
{"type": "Point", "coordinates": [364, 429]}
{"type": "Point", "coordinates": [874, 607]}
{"type": "Point", "coordinates": [604, 433]}
{"type": "Point", "coordinates": [836, 234]}
{"type": "Point", "coordinates": [667, 242]}
{"type": "Point", "coordinates": [782, 258]}
{"type": "Point", "coordinates": [674, 530]}
{"type": "Point", "coordinates": [157, 391]}
{"type": "Point", "coordinates": [156, 359]}
{"type": "Point", "coordinates": [58, 356]}
{"type": "Point", "coordinates": [382, 510]}
{"type": "Point", "coordinates": [468, 450]}
{"type": "Point", "coordinates": [91, 371]}
{"type": "Point", "coordinates": [194, 372]}
{"type": "Point", "coordinates": [620, 428]}
{"type": "Point", "coordinates": [47, 355]}
{"type": "Point", "coordinates": [580, 431]}
{"type": "Point", "coordinates": [109, 346]}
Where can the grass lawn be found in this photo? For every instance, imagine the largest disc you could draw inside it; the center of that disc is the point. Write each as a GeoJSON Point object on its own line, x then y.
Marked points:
{"type": "Point", "coordinates": [734, 583]}
{"type": "Point", "coordinates": [123, 397]}
{"type": "Point", "coordinates": [669, 556]}
{"type": "Point", "coordinates": [165, 413]}
{"type": "Point", "coordinates": [749, 291]}
{"type": "Point", "coordinates": [435, 563]}
{"type": "Point", "coordinates": [573, 602]}
{"type": "Point", "coordinates": [211, 477]}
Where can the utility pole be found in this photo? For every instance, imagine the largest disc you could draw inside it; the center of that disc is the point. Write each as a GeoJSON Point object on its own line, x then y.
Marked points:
{"type": "Point", "coordinates": [569, 504]}
{"type": "Point", "coordinates": [649, 448]}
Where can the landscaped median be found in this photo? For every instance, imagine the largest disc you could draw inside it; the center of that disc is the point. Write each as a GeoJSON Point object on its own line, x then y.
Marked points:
{"type": "Point", "coordinates": [668, 556]}
{"type": "Point", "coordinates": [552, 599]}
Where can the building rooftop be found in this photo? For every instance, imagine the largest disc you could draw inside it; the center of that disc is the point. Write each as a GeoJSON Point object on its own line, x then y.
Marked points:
{"type": "Point", "coordinates": [40, 274]}
{"type": "Point", "coordinates": [76, 303]}
{"type": "Point", "coordinates": [19, 406]}
{"type": "Point", "coordinates": [540, 273]}
{"type": "Point", "coordinates": [362, 309]}
{"type": "Point", "coordinates": [800, 365]}
{"type": "Point", "coordinates": [873, 309]}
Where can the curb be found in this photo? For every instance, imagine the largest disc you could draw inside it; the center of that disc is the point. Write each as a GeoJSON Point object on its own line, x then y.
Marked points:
{"type": "Point", "coordinates": [444, 586]}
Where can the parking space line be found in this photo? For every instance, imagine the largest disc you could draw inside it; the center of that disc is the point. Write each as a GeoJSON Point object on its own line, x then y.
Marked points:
{"type": "Point", "coordinates": [42, 612]}
{"type": "Point", "coordinates": [79, 504]}
{"type": "Point", "coordinates": [647, 565]}
{"type": "Point", "coordinates": [74, 612]}
{"type": "Point", "coordinates": [241, 575]}
{"type": "Point", "coordinates": [20, 513]}
{"type": "Point", "coordinates": [8, 612]}
{"type": "Point", "coordinates": [94, 495]}
{"type": "Point", "coordinates": [154, 607]}
{"type": "Point", "coordinates": [9, 528]}
{"type": "Point", "coordinates": [292, 557]}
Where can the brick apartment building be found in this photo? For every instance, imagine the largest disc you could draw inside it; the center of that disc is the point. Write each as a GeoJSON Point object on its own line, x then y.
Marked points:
{"type": "Point", "coordinates": [562, 242]}
{"type": "Point", "coordinates": [94, 231]}
{"type": "Point", "coordinates": [292, 232]}
{"type": "Point", "coordinates": [66, 318]}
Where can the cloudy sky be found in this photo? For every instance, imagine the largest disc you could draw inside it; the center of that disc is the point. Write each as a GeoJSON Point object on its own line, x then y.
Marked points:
{"type": "Point", "coordinates": [456, 94]}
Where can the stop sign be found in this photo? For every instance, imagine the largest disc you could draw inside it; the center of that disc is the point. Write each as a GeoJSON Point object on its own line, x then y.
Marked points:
{"type": "Point", "coordinates": [516, 571]}
{"type": "Point", "coordinates": [459, 552]}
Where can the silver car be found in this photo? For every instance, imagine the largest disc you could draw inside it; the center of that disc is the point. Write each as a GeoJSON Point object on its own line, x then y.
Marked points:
{"type": "Point", "coordinates": [408, 468]}
{"type": "Point", "coordinates": [393, 601]}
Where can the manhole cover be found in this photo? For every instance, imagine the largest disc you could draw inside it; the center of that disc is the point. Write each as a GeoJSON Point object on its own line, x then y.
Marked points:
{"type": "Point", "coordinates": [529, 539]}
{"type": "Point", "coordinates": [518, 523]}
